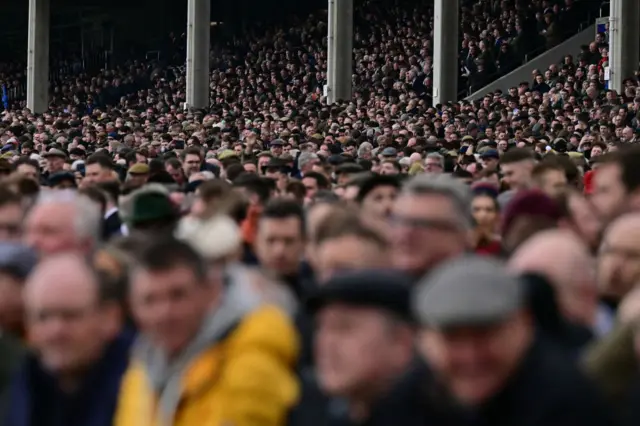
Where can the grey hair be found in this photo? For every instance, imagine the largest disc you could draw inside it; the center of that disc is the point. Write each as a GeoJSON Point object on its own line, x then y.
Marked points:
{"type": "Point", "coordinates": [364, 148]}
{"type": "Point", "coordinates": [87, 215]}
{"type": "Point", "coordinates": [305, 158]}
{"type": "Point", "coordinates": [458, 193]}
{"type": "Point", "coordinates": [438, 157]}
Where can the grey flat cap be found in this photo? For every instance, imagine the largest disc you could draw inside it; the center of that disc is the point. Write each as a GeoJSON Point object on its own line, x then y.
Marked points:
{"type": "Point", "coordinates": [16, 259]}
{"type": "Point", "coordinates": [55, 152]}
{"type": "Point", "coordinates": [467, 291]}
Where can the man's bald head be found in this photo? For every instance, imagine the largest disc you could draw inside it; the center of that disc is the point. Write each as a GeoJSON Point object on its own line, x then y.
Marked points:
{"type": "Point", "coordinates": [619, 256]}
{"type": "Point", "coordinates": [565, 261]}
{"type": "Point", "coordinates": [62, 273]}
{"type": "Point", "coordinates": [68, 324]}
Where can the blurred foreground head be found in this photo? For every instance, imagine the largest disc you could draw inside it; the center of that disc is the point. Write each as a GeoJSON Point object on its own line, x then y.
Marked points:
{"type": "Point", "coordinates": [70, 316]}
{"type": "Point", "coordinates": [475, 326]}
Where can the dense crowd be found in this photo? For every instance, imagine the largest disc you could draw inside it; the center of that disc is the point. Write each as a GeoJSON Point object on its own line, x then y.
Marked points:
{"type": "Point", "coordinates": [393, 48]}
{"type": "Point", "coordinates": [272, 260]}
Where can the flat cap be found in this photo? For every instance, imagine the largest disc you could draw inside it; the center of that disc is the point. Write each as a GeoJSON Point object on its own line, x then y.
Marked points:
{"type": "Point", "coordinates": [468, 291]}
{"type": "Point", "coordinates": [55, 152]}
{"type": "Point", "coordinates": [17, 260]}
{"type": "Point", "coordinates": [384, 289]}
{"type": "Point", "coordinates": [389, 152]}
{"type": "Point", "coordinates": [139, 169]}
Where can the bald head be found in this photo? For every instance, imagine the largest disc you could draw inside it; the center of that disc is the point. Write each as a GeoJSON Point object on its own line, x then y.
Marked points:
{"type": "Point", "coordinates": [61, 276]}
{"type": "Point", "coordinates": [618, 266]}
{"type": "Point", "coordinates": [565, 261]}
{"type": "Point", "coordinates": [67, 324]}
{"type": "Point", "coordinates": [626, 226]}
{"type": "Point", "coordinates": [553, 253]}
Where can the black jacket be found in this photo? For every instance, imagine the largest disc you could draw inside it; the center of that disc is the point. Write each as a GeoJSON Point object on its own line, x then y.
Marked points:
{"type": "Point", "coordinates": [547, 390]}
{"type": "Point", "coordinates": [111, 226]}
{"type": "Point", "coordinates": [414, 400]}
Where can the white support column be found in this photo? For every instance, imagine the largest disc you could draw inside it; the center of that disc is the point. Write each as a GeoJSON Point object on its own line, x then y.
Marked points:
{"type": "Point", "coordinates": [38, 56]}
{"type": "Point", "coordinates": [340, 51]}
{"type": "Point", "coordinates": [624, 42]}
{"type": "Point", "coordinates": [198, 35]}
{"type": "Point", "coordinates": [445, 51]}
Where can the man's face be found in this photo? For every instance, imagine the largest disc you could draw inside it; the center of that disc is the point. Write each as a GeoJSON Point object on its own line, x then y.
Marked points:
{"type": "Point", "coordinates": [388, 168]}
{"type": "Point", "coordinates": [609, 193]}
{"type": "Point", "coordinates": [55, 164]}
{"type": "Point", "coordinates": [476, 362]}
{"type": "Point", "coordinates": [279, 244]}
{"type": "Point", "coordinates": [311, 186]}
{"type": "Point", "coordinates": [619, 259]}
{"type": "Point", "coordinates": [262, 162]}
{"type": "Point", "coordinates": [553, 183]}
{"type": "Point", "coordinates": [95, 173]}
{"type": "Point", "coordinates": [250, 168]}
{"type": "Point", "coordinates": [28, 170]}
{"type": "Point", "coordinates": [353, 347]}
{"type": "Point", "coordinates": [191, 164]}
{"type": "Point", "coordinates": [346, 253]}
{"type": "Point", "coordinates": [425, 231]}
{"type": "Point", "coordinates": [50, 229]}
{"type": "Point", "coordinates": [378, 203]}
{"type": "Point", "coordinates": [432, 165]}
{"type": "Point", "coordinates": [65, 322]}
{"type": "Point", "coordinates": [11, 216]}
{"type": "Point", "coordinates": [169, 305]}
{"type": "Point", "coordinates": [175, 173]}
{"type": "Point", "coordinates": [517, 175]}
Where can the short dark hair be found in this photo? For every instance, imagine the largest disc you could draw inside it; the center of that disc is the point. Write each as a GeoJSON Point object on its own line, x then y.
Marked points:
{"type": "Point", "coordinates": [169, 253]}
{"type": "Point", "coordinates": [547, 165]}
{"type": "Point", "coordinates": [111, 188]}
{"type": "Point", "coordinates": [96, 195]}
{"type": "Point", "coordinates": [27, 161]}
{"type": "Point", "coordinates": [629, 162]}
{"type": "Point", "coordinates": [284, 209]}
{"type": "Point", "coordinates": [254, 184]}
{"type": "Point", "coordinates": [192, 150]}
{"type": "Point", "coordinates": [9, 196]}
{"type": "Point", "coordinates": [516, 155]}
{"type": "Point", "coordinates": [344, 222]}
{"type": "Point", "coordinates": [321, 180]}
{"type": "Point", "coordinates": [103, 160]}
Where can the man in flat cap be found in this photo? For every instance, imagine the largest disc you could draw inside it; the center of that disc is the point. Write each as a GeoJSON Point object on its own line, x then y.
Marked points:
{"type": "Point", "coordinates": [55, 160]}
{"type": "Point", "coordinates": [365, 354]}
{"type": "Point", "coordinates": [479, 337]}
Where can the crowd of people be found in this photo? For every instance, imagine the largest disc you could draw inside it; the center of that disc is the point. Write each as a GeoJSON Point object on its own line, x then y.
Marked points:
{"type": "Point", "coordinates": [393, 45]}
{"type": "Point", "coordinates": [272, 260]}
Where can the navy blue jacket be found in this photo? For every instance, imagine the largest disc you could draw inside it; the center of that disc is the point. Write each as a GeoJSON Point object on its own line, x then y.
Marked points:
{"type": "Point", "coordinates": [36, 400]}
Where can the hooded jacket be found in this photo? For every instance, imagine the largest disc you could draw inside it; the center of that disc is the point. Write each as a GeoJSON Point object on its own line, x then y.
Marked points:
{"type": "Point", "coordinates": [238, 370]}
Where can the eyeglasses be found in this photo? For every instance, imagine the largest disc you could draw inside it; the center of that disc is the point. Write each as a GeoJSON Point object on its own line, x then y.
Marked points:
{"type": "Point", "coordinates": [424, 223]}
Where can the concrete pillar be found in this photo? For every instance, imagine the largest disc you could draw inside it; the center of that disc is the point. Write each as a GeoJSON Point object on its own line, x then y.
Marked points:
{"type": "Point", "coordinates": [445, 51]}
{"type": "Point", "coordinates": [198, 34]}
{"type": "Point", "coordinates": [624, 41]}
{"type": "Point", "coordinates": [340, 50]}
{"type": "Point", "coordinates": [38, 56]}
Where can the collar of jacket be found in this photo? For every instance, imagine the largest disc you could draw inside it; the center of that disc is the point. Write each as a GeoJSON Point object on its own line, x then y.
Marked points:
{"type": "Point", "coordinates": [164, 374]}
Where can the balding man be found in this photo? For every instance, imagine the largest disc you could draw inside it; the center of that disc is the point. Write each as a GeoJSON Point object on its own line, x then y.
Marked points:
{"type": "Point", "coordinates": [63, 221]}
{"type": "Point", "coordinates": [73, 324]}
{"type": "Point", "coordinates": [619, 257]}
{"type": "Point", "coordinates": [564, 260]}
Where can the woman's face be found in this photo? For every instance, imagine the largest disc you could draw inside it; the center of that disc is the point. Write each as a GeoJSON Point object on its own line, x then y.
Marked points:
{"type": "Point", "coordinates": [484, 212]}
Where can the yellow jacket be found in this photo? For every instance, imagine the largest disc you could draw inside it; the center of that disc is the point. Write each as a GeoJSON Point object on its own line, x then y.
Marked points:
{"type": "Point", "coordinates": [245, 379]}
